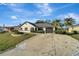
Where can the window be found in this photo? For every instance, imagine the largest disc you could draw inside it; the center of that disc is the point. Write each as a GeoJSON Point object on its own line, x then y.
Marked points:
{"type": "Point", "coordinates": [20, 28]}
{"type": "Point", "coordinates": [26, 29]}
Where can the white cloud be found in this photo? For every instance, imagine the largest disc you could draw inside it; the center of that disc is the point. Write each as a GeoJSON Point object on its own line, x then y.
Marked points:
{"type": "Point", "coordinates": [44, 9]}
{"type": "Point", "coordinates": [73, 15]}
{"type": "Point", "coordinates": [14, 17]}
{"type": "Point", "coordinates": [3, 4]}
{"type": "Point", "coordinates": [62, 7]}
{"type": "Point", "coordinates": [9, 4]}
{"type": "Point", "coordinates": [17, 9]}
{"type": "Point", "coordinates": [13, 6]}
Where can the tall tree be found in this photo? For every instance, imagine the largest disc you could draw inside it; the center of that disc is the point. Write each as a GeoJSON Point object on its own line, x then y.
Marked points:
{"type": "Point", "coordinates": [40, 21]}
{"type": "Point", "coordinates": [56, 24]}
{"type": "Point", "coordinates": [43, 21]}
{"type": "Point", "coordinates": [69, 22]}
{"type": "Point", "coordinates": [48, 21]}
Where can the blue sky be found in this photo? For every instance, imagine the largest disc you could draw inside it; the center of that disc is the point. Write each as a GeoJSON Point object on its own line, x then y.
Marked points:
{"type": "Point", "coordinates": [14, 14]}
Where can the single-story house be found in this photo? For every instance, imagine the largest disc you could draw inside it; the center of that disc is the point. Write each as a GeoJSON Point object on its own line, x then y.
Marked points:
{"type": "Point", "coordinates": [74, 28]}
{"type": "Point", "coordinates": [4, 29]}
{"type": "Point", "coordinates": [8, 29]}
{"type": "Point", "coordinates": [1, 29]}
{"type": "Point", "coordinates": [29, 27]}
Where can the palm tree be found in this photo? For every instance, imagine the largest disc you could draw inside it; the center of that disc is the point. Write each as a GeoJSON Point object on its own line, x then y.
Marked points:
{"type": "Point", "coordinates": [69, 22]}
{"type": "Point", "coordinates": [56, 24]}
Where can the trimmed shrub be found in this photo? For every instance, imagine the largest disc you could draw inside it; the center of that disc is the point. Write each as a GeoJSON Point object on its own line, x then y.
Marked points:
{"type": "Point", "coordinates": [69, 33]}
{"type": "Point", "coordinates": [17, 32]}
{"type": "Point", "coordinates": [60, 31]}
{"type": "Point", "coordinates": [40, 31]}
{"type": "Point", "coordinates": [2, 32]}
{"type": "Point", "coordinates": [75, 32]}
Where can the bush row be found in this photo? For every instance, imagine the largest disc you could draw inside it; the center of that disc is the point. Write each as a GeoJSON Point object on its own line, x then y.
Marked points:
{"type": "Point", "coordinates": [65, 32]}
{"type": "Point", "coordinates": [2, 32]}
{"type": "Point", "coordinates": [40, 31]}
{"type": "Point", "coordinates": [17, 32]}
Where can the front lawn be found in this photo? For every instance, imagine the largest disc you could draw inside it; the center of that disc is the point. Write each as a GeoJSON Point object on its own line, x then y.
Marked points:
{"type": "Point", "coordinates": [7, 41]}
{"type": "Point", "coordinates": [76, 36]}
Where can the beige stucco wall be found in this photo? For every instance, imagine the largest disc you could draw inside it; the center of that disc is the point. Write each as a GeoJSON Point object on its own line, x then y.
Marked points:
{"type": "Point", "coordinates": [28, 26]}
{"type": "Point", "coordinates": [70, 29]}
{"type": "Point", "coordinates": [76, 28]}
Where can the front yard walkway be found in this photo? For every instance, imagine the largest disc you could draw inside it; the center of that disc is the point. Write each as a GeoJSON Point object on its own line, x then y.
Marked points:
{"type": "Point", "coordinates": [45, 45]}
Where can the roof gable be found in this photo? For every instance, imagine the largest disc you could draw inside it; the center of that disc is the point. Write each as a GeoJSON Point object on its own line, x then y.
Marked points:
{"type": "Point", "coordinates": [38, 24]}
{"type": "Point", "coordinates": [29, 23]}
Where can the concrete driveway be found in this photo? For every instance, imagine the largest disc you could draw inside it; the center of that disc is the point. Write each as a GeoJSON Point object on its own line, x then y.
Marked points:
{"type": "Point", "coordinates": [46, 45]}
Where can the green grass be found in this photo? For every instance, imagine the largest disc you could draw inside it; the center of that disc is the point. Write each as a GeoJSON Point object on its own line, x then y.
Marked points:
{"type": "Point", "coordinates": [76, 36]}
{"type": "Point", "coordinates": [7, 41]}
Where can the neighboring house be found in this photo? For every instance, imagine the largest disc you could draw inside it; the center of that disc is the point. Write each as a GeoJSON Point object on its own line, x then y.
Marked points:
{"type": "Point", "coordinates": [1, 29]}
{"type": "Point", "coordinates": [11, 28]}
{"type": "Point", "coordinates": [29, 27]}
{"type": "Point", "coordinates": [8, 29]}
{"type": "Point", "coordinates": [74, 28]}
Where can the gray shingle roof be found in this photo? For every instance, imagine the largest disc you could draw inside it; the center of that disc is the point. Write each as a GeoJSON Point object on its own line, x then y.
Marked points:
{"type": "Point", "coordinates": [38, 24]}
{"type": "Point", "coordinates": [43, 25]}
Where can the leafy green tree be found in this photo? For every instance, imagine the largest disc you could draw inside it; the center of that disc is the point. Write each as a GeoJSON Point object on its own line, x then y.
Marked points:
{"type": "Point", "coordinates": [56, 24]}
{"type": "Point", "coordinates": [48, 21]}
{"type": "Point", "coordinates": [40, 21]}
{"type": "Point", "coordinates": [69, 22]}
{"type": "Point", "coordinates": [43, 21]}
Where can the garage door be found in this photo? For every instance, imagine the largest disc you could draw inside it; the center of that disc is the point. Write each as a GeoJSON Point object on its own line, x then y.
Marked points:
{"type": "Point", "coordinates": [49, 30]}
